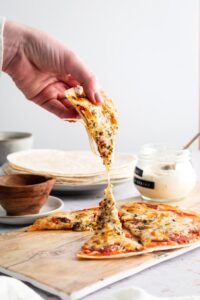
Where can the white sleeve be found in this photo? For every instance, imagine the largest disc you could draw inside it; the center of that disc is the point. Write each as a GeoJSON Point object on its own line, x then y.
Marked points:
{"type": "Point", "coordinates": [2, 21]}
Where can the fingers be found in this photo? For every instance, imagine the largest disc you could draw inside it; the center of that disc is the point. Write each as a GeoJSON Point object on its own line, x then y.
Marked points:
{"type": "Point", "coordinates": [52, 99]}
{"type": "Point", "coordinates": [61, 109]}
{"type": "Point", "coordinates": [91, 89]}
{"type": "Point", "coordinates": [84, 77]}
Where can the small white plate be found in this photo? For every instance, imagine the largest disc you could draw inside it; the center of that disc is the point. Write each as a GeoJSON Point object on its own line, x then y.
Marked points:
{"type": "Point", "coordinates": [52, 205]}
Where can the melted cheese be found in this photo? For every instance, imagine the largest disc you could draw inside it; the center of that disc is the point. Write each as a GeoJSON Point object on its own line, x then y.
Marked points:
{"type": "Point", "coordinates": [107, 217]}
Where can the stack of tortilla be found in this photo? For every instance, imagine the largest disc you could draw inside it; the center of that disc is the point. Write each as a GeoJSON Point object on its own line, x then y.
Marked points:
{"type": "Point", "coordinates": [70, 167]}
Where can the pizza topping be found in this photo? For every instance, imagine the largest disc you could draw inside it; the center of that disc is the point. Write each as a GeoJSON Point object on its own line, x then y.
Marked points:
{"type": "Point", "coordinates": [60, 219]}
{"type": "Point", "coordinates": [195, 231]}
{"type": "Point", "coordinates": [180, 239]}
{"type": "Point", "coordinates": [182, 213]}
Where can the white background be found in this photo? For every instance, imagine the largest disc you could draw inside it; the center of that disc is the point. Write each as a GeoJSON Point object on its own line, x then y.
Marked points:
{"type": "Point", "coordinates": [145, 54]}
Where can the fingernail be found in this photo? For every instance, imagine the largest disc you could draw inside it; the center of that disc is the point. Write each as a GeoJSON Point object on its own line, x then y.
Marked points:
{"type": "Point", "coordinates": [98, 98]}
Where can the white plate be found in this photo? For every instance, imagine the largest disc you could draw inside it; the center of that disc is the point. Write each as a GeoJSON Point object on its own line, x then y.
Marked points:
{"type": "Point", "coordinates": [67, 187]}
{"type": "Point", "coordinates": [52, 205]}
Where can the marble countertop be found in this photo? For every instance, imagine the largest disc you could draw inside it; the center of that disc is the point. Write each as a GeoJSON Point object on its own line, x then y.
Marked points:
{"type": "Point", "coordinates": [179, 276]}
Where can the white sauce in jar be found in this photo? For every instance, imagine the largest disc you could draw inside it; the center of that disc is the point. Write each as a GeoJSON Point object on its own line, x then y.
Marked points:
{"type": "Point", "coordinates": [163, 174]}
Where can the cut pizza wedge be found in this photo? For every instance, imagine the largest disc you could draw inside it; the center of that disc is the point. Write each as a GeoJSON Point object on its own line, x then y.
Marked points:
{"type": "Point", "coordinates": [77, 220]}
{"type": "Point", "coordinates": [107, 244]}
{"type": "Point", "coordinates": [109, 238]}
{"type": "Point", "coordinates": [160, 225]}
{"type": "Point", "coordinates": [100, 121]}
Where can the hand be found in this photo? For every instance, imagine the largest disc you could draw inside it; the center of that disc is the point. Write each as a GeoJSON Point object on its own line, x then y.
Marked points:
{"type": "Point", "coordinates": [42, 68]}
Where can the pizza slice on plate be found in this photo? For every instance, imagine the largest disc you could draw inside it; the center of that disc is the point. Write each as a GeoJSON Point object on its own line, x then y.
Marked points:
{"type": "Point", "coordinates": [100, 121]}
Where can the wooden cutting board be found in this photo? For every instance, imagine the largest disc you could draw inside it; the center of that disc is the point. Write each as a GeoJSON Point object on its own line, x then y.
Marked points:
{"type": "Point", "coordinates": [48, 259]}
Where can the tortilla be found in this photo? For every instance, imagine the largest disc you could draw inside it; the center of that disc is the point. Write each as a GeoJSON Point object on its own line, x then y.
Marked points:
{"type": "Point", "coordinates": [69, 164]}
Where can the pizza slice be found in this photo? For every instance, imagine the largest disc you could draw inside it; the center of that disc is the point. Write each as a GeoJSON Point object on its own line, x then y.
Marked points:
{"type": "Point", "coordinates": [160, 225]}
{"type": "Point", "coordinates": [109, 244]}
{"type": "Point", "coordinates": [100, 121]}
{"type": "Point", "coordinates": [77, 220]}
{"type": "Point", "coordinates": [109, 239]}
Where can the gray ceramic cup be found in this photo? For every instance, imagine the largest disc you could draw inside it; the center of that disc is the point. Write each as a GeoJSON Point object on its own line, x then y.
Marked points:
{"type": "Point", "coordinates": [13, 142]}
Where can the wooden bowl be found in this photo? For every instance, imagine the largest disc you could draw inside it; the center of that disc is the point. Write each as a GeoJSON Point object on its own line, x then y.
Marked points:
{"type": "Point", "coordinates": [24, 194]}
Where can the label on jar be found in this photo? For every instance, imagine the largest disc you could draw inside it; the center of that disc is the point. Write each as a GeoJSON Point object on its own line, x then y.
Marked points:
{"type": "Point", "coordinates": [138, 171]}
{"type": "Point", "coordinates": [144, 183]}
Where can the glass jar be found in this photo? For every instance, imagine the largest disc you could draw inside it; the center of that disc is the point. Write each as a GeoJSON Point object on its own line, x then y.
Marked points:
{"type": "Point", "coordinates": [163, 173]}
